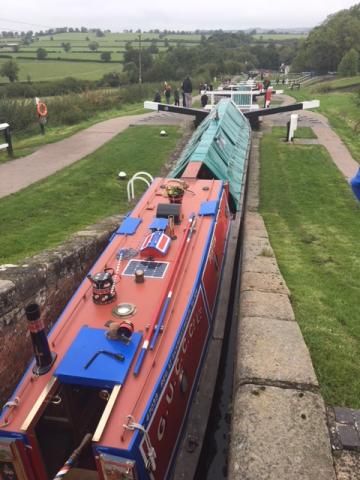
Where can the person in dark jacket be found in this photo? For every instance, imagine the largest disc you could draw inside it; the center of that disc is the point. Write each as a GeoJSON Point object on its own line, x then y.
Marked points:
{"type": "Point", "coordinates": [157, 97]}
{"type": "Point", "coordinates": [176, 97]}
{"type": "Point", "coordinates": [187, 89]}
{"type": "Point", "coordinates": [204, 100]}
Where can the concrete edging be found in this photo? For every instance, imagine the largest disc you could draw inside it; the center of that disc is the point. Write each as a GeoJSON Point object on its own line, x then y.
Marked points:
{"type": "Point", "coordinates": [279, 428]}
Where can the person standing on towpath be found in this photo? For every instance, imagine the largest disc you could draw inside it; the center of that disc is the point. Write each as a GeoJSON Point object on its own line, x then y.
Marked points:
{"type": "Point", "coordinates": [167, 92]}
{"type": "Point", "coordinates": [176, 97]}
{"type": "Point", "coordinates": [187, 89]}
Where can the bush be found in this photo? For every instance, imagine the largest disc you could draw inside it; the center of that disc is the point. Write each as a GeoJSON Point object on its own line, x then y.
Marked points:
{"type": "Point", "coordinates": [69, 109]}
{"type": "Point", "coordinates": [105, 56]}
{"type": "Point", "coordinates": [349, 65]}
{"type": "Point", "coordinates": [19, 114]}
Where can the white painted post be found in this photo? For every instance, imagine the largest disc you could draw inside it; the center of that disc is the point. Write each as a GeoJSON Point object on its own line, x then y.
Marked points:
{"type": "Point", "coordinates": [293, 126]}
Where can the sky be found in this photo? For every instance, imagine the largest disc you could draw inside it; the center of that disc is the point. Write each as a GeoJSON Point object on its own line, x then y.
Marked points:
{"type": "Point", "coordinates": [118, 15]}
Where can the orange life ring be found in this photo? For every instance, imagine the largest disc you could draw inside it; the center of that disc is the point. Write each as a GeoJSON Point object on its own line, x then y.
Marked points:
{"type": "Point", "coordinates": [41, 109]}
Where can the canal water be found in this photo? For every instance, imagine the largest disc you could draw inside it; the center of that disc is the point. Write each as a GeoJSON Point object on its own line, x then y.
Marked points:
{"type": "Point", "coordinates": [214, 454]}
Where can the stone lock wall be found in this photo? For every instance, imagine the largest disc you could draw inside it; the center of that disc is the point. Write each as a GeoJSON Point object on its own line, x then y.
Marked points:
{"type": "Point", "coordinates": [48, 279]}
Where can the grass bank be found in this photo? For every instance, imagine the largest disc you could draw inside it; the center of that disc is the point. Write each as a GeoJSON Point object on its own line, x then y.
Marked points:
{"type": "Point", "coordinates": [314, 221]}
{"type": "Point", "coordinates": [46, 213]}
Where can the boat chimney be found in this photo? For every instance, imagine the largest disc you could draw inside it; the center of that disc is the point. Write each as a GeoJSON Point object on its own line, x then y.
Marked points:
{"type": "Point", "coordinates": [43, 356]}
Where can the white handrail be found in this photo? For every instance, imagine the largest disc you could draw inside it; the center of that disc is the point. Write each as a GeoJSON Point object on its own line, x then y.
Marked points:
{"type": "Point", "coordinates": [137, 176]}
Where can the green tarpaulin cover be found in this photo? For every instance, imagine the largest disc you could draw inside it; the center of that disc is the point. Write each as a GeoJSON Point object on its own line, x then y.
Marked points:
{"type": "Point", "coordinates": [222, 142]}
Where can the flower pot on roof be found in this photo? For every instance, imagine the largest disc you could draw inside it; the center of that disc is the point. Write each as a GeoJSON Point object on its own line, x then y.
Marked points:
{"type": "Point", "coordinates": [175, 192]}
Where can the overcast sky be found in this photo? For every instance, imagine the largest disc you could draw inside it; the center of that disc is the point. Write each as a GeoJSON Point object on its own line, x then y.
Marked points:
{"type": "Point", "coordinates": [174, 15]}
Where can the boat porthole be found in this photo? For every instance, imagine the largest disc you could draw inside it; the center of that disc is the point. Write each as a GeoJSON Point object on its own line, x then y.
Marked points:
{"type": "Point", "coordinates": [161, 428]}
{"type": "Point", "coordinates": [184, 384]}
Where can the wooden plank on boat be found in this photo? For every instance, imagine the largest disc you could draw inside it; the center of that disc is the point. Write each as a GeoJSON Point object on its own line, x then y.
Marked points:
{"type": "Point", "coordinates": [106, 414]}
{"type": "Point", "coordinates": [48, 390]}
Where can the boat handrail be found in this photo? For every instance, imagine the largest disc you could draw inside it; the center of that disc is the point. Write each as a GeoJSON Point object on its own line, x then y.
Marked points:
{"type": "Point", "coordinates": [137, 176]}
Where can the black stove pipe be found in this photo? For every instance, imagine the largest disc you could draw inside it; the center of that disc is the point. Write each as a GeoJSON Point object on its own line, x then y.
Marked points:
{"type": "Point", "coordinates": [43, 356]}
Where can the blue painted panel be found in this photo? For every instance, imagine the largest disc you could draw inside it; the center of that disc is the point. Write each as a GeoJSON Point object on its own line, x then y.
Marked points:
{"type": "Point", "coordinates": [129, 226]}
{"type": "Point", "coordinates": [209, 208]}
{"type": "Point", "coordinates": [104, 371]}
{"type": "Point", "coordinates": [159, 224]}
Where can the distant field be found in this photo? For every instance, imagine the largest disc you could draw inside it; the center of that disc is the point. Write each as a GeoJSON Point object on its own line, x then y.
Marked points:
{"type": "Point", "coordinates": [124, 37]}
{"type": "Point", "coordinates": [115, 56]}
{"type": "Point", "coordinates": [278, 36]}
{"type": "Point", "coordinates": [48, 70]}
{"type": "Point", "coordinates": [69, 63]}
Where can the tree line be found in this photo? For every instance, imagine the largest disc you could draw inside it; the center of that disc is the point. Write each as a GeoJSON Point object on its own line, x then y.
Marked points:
{"type": "Point", "coordinates": [332, 46]}
{"type": "Point", "coordinates": [221, 53]}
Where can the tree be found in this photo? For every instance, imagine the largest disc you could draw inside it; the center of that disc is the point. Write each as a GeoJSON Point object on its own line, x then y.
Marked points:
{"type": "Point", "coordinates": [9, 69]}
{"type": "Point", "coordinates": [105, 56]}
{"type": "Point", "coordinates": [41, 53]}
{"type": "Point", "coordinates": [153, 47]}
{"type": "Point", "coordinates": [326, 44]}
{"type": "Point", "coordinates": [93, 46]}
{"type": "Point", "coordinates": [66, 46]}
{"type": "Point", "coordinates": [349, 65]}
{"type": "Point", "coordinates": [99, 33]}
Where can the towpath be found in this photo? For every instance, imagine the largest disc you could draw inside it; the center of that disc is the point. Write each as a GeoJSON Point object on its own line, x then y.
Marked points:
{"type": "Point", "coordinates": [48, 159]}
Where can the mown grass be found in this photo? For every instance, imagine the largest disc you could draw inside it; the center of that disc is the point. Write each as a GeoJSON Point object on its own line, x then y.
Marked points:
{"type": "Point", "coordinates": [314, 222]}
{"type": "Point", "coordinates": [47, 212]}
{"type": "Point", "coordinates": [339, 83]}
{"type": "Point", "coordinates": [301, 132]}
